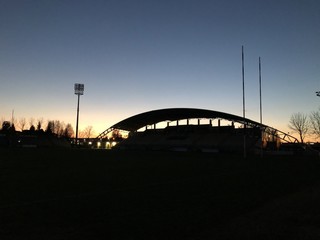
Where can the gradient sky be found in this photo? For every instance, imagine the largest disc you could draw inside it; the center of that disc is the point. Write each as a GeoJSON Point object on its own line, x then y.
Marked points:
{"type": "Point", "coordinates": [139, 55]}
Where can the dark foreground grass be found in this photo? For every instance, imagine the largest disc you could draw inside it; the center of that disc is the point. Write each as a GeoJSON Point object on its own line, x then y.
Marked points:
{"type": "Point", "coordinates": [93, 194]}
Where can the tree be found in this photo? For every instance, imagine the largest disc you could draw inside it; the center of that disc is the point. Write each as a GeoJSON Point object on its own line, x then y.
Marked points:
{"type": "Point", "coordinates": [31, 121]}
{"type": "Point", "coordinates": [12, 128]}
{"type": "Point", "coordinates": [50, 127]}
{"type": "Point", "coordinates": [2, 120]}
{"type": "Point", "coordinates": [32, 128]}
{"type": "Point", "coordinates": [299, 123]}
{"type": "Point", "coordinates": [315, 123]}
{"type": "Point", "coordinates": [57, 127]}
{"type": "Point", "coordinates": [22, 123]}
{"type": "Point", "coordinates": [6, 125]}
{"type": "Point", "coordinates": [68, 131]}
{"type": "Point", "coordinates": [40, 123]}
{"type": "Point", "coordinates": [87, 132]}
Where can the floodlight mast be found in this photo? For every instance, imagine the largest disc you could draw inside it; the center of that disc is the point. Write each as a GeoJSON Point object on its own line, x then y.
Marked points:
{"type": "Point", "coordinates": [243, 108]}
{"type": "Point", "coordinates": [261, 145]}
{"type": "Point", "coordinates": [318, 93]}
{"type": "Point", "coordinates": [78, 90]}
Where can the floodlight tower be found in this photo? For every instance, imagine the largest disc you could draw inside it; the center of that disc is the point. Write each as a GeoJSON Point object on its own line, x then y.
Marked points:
{"type": "Point", "coordinates": [318, 93]}
{"type": "Point", "coordinates": [78, 90]}
{"type": "Point", "coordinates": [243, 108]}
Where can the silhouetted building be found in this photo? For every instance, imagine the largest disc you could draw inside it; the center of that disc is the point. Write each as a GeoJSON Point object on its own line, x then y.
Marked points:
{"type": "Point", "coordinates": [228, 134]}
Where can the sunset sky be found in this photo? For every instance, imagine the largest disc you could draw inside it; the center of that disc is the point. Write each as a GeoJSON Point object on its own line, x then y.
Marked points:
{"type": "Point", "coordinates": [139, 55]}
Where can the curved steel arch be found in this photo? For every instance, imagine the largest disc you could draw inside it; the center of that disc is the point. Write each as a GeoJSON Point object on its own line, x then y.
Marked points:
{"type": "Point", "coordinates": [171, 114]}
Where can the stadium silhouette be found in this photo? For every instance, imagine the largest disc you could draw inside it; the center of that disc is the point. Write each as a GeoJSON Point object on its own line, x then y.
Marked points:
{"type": "Point", "coordinates": [239, 132]}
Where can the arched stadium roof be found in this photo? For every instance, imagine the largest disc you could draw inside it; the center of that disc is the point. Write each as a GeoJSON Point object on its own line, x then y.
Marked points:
{"type": "Point", "coordinates": [172, 114]}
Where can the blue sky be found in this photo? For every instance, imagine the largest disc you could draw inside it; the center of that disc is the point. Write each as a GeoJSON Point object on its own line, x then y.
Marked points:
{"type": "Point", "coordinates": [139, 55]}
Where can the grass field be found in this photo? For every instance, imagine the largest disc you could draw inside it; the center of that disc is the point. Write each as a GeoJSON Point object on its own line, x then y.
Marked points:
{"type": "Point", "coordinates": [97, 194]}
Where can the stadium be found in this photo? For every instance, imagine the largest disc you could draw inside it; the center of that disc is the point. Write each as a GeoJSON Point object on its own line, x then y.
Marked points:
{"type": "Point", "coordinates": [191, 129]}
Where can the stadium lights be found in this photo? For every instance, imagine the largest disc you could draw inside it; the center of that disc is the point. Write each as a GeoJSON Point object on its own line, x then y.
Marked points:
{"type": "Point", "coordinates": [318, 93]}
{"type": "Point", "coordinates": [78, 90]}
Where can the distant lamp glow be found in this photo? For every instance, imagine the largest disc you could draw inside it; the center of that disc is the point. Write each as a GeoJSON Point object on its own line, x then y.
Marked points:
{"type": "Point", "coordinates": [78, 90]}
{"type": "Point", "coordinates": [318, 93]}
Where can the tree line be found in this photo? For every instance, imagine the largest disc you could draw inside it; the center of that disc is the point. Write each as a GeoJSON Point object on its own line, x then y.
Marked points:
{"type": "Point", "coordinates": [305, 124]}
{"type": "Point", "coordinates": [54, 127]}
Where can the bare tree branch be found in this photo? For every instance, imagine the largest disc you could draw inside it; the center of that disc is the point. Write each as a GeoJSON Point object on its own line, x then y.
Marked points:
{"type": "Point", "coordinates": [315, 123]}
{"type": "Point", "coordinates": [22, 123]}
{"type": "Point", "coordinates": [299, 123]}
{"type": "Point", "coordinates": [88, 132]}
{"type": "Point", "coordinates": [31, 122]}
